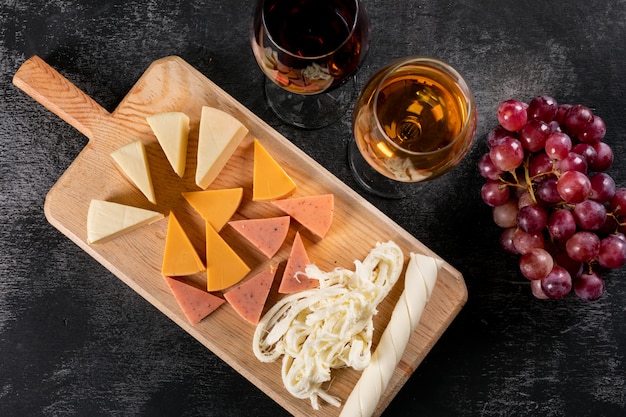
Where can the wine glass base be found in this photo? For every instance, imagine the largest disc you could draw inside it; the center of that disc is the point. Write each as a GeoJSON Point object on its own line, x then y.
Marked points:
{"type": "Point", "coordinates": [370, 179]}
{"type": "Point", "coordinates": [311, 111]}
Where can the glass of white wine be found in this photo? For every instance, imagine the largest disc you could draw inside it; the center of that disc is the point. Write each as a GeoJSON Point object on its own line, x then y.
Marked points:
{"type": "Point", "coordinates": [413, 121]}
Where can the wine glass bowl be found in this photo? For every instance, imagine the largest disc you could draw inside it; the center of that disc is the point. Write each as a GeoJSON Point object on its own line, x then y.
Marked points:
{"type": "Point", "coordinates": [413, 121]}
{"type": "Point", "coordinates": [308, 49]}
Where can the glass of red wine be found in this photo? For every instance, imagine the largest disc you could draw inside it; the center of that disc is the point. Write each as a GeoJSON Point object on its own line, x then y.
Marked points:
{"type": "Point", "coordinates": [309, 51]}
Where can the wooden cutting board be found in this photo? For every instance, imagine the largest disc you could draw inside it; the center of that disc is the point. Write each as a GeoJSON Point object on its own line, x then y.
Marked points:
{"type": "Point", "coordinates": [170, 84]}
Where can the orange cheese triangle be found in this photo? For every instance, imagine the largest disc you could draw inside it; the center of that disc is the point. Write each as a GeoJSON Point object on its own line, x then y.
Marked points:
{"type": "Point", "coordinates": [314, 212]}
{"type": "Point", "coordinates": [215, 206]}
{"type": "Point", "coordinates": [298, 259]}
{"type": "Point", "coordinates": [195, 303]}
{"type": "Point", "coordinates": [270, 181]}
{"type": "Point", "coordinates": [249, 297]}
{"type": "Point", "coordinates": [180, 257]}
{"type": "Point", "coordinates": [267, 235]}
{"type": "Point", "coordinates": [224, 267]}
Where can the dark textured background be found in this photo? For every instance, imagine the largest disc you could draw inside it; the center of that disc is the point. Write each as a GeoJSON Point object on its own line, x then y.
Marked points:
{"type": "Point", "coordinates": [76, 341]}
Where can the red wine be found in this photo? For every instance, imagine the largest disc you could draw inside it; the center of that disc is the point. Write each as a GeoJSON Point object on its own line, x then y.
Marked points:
{"type": "Point", "coordinates": [310, 46]}
{"type": "Point", "coordinates": [309, 28]}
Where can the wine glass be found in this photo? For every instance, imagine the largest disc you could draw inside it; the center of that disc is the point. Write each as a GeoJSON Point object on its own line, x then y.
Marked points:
{"type": "Point", "coordinates": [308, 50]}
{"type": "Point", "coordinates": [413, 121]}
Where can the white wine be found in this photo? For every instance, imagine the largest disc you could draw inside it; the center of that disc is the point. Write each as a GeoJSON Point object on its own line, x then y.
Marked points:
{"type": "Point", "coordinates": [415, 122]}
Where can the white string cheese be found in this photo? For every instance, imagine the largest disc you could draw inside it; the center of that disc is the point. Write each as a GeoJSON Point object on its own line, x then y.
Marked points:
{"type": "Point", "coordinates": [420, 279]}
{"type": "Point", "coordinates": [328, 327]}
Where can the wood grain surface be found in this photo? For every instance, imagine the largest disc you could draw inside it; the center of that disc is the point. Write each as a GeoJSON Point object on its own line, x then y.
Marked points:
{"type": "Point", "coordinates": [170, 84]}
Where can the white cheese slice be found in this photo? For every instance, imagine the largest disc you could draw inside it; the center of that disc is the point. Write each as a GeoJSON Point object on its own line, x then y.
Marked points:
{"type": "Point", "coordinates": [132, 159]}
{"type": "Point", "coordinates": [172, 131]}
{"type": "Point", "coordinates": [107, 220]}
{"type": "Point", "coordinates": [219, 136]}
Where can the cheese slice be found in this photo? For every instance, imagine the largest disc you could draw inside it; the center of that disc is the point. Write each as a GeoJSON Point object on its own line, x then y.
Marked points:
{"type": "Point", "coordinates": [107, 220]}
{"type": "Point", "coordinates": [219, 136]}
{"type": "Point", "coordinates": [249, 297]}
{"type": "Point", "coordinates": [294, 280]}
{"type": "Point", "coordinates": [133, 161]}
{"type": "Point", "coordinates": [172, 131]}
{"type": "Point", "coordinates": [195, 303]}
{"type": "Point", "coordinates": [267, 234]}
{"type": "Point", "coordinates": [270, 181]}
{"type": "Point", "coordinates": [313, 212]}
{"type": "Point", "coordinates": [180, 256]}
{"type": "Point", "coordinates": [215, 206]}
{"type": "Point", "coordinates": [224, 267]}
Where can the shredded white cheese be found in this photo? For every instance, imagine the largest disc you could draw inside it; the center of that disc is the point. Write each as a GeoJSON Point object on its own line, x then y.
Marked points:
{"type": "Point", "coordinates": [328, 327]}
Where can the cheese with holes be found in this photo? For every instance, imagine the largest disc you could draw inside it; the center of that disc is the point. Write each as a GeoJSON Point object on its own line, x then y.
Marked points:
{"type": "Point", "coordinates": [195, 303]}
{"type": "Point", "coordinates": [248, 298]}
{"type": "Point", "coordinates": [313, 212]}
{"type": "Point", "coordinates": [270, 181]}
{"type": "Point", "coordinates": [266, 234]}
{"type": "Point", "coordinates": [294, 279]}
{"type": "Point", "coordinates": [215, 206]}
{"type": "Point", "coordinates": [180, 256]}
{"type": "Point", "coordinates": [172, 132]}
{"type": "Point", "coordinates": [107, 220]}
{"type": "Point", "coordinates": [219, 136]}
{"type": "Point", "coordinates": [224, 267]}
{"type": "Point", "coordinates": [133, 161]}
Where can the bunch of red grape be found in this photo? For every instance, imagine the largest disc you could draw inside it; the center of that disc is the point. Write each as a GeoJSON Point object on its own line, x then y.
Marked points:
{"type": "Point", "coordinates": [560, 211]}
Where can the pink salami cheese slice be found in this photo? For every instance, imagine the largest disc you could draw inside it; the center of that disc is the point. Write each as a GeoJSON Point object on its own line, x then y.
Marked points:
{"type": "Point", "coordinates": [195, 303]}
{"type": "Point", "coordinates": [315, 213]}
{"type": "Point", "coordinates": [267, 235]}
{"type": "Point", "coordinates": [291, 281]}
{"type": "Point", "coordinates": [249, 297]}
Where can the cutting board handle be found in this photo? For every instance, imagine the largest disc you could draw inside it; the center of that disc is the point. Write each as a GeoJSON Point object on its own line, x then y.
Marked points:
{"type": "Point", "coordinates": [56, 93]}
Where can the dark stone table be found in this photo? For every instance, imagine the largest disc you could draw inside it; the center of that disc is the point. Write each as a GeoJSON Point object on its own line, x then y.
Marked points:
{"type": "Point", "coordinates": [76, 341]}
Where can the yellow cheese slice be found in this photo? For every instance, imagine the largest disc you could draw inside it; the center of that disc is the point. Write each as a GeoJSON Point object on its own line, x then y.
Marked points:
{"type": "Point", "coordinates": [224, 267]}
{"type": "Point", "coordinates": [172, 131]}
{"type": "Point", "coordinates": [219, 136]}
{"type": "Point", "coordinates": [270, 181]}
{"type": "Point", "coordinates": [215, 206]}
{"type": "Point", "coordinates": [180, 256]}
{"type": "Point", "coordinates": [132, 159]}
{"type": "Point", "coordinates": [107, 220]}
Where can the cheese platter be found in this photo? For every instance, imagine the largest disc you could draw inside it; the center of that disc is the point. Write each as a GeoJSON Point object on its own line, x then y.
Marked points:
{"type": "Point", "coordinates": [172, 85]}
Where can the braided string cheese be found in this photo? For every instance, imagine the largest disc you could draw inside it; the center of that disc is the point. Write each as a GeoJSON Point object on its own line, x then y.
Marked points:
{"type": "Point", "coordinates": [328, 327]}
{"type": "Point", "coordinates": [420, 279]}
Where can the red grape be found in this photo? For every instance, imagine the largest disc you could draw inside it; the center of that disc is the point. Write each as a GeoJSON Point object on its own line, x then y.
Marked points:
{"type": "Point", "coordinates": [558, 283]}
{"type": "Point", "coordinates": [536, 264]}
{"type": "Point", "coordinates": [494, 193]}
{"type": "Point", "coordinates": [487, 168]}
{"type": "Point", "coordinates": [559, 211]}
{"type": "Point", "coordinates": [583, 246]}
{"type": "Point", "coordinates": [542, 108]}
{"type": "Point", "coordinates": [574, 186]}
{"type": "Point", "coordinates": [532, 218]}
{"type": "Point", "coordinates": [505, 214]}
{"type": "Point", "coordinates": [604, 159]}
{"type": "Point", "coordinates": [561, 224]}
{"type": "Point", "coordinates": [558, 145]}
{"type": "Point", "coordinates": [617, 204]}
{"type": "Point", "coordinates": [512, 114]}
{"type": "Point", "coordinates": [534, 134]}
{"type": "Point", "coordinates": [589, 287]}
{"type": "Point", "coordinates": [612, 253]}
{"type": "Point", "coordinates": [507, 154]}
{"type": "Point", "coordinates": [602, 187]}
{"type": "Point", "coordinates": [589, 215]}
